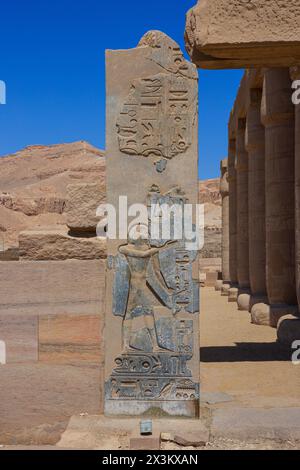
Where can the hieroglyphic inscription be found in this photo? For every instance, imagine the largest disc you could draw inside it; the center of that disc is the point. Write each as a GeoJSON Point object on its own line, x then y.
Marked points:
{"type": "Point", "coordinates": [160, 388]}
{"type": "Point", "coordinates": [156, 118]}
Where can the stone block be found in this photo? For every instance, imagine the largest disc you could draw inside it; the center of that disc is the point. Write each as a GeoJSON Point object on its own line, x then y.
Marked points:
{"type": "Point", "coordinates": [19, 338]}
{"type": "Point", "coordinates": [288, 330]}
{"type": "Point", "coordinates": [244, 302]}
{"type": "Point", "coordinates": [51, 245]}
{"type": "Point", "coordinates": [189, 439]}
{"type": "Point", "coordinates": [52, 287]}
{"type": "Point", "coordinates": [233, 294]}
{"type": "Point", "coordinates": [83, 200]}
{"type": "Point", "coordinates": [239, 34]}
{"type": "Point", "coordinates": [38, 399]}
{"type": "Point", "coordinates": [225, 290]}
{"type": "Point", "coordinates": [256, 423]}
{"type": "Point", "coordinates": [145, 443]}
{"type": "Point", "coordinates": [68, 339]}
{"type": "Point", "coordinates": [211, 279]}
{"type": "Point", "coordinates": [266, 315]}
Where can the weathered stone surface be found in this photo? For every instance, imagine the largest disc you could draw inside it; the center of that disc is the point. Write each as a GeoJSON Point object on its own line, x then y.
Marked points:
{"type": "Point", "coordinates": [244, 302]}
{"type": "Point", "coordinates": [210, 264]}
{"type": "Point", "coordinates": [255, 423]}
{"type": "Point", "coordinates": [152, 284]}
{"type": "Point", "coordinates": [232, 210]}
{"type": "Point", "coordinates": [69, 339]}
{"type": "Point", "coordinates": [83, 200]}
{"type": "Point", "coordinates": [211, 279]}
{"type": "Point", "coordinates": [34, 184]}
{"type": "Point", "coordinates": [225, 290]}
{"type": "Point", "coordinates": [189, 439]}
{"type": "Point", "coordinates": [52, 287]}
{"type": "Point", "coordinates": [235, 33]}
{"type": "Point", "coordinates": [255, 145]}
{"type": "Point", "coordinates": [224, 191]}
{"type": "Point", "coordinates": [32, 206]}
{"type": "Point", "coordinates": [52, 245]}
{"type": "Point", "coordinates": [33, 394]}
{"type": "Point", "coordinates": [233, 294]}
{"type": "Point", "coordinates": [266, 315]}
{"type": "Point", "coordinates": [278, 119]}
{"type": "Point", "coordinates": [145, 443]}
{"type": "Point", "coordinates": [242, 206]}
{"type": "Point", "coordinates": [101, 432]}
{"type": "Point", "coordinates": [295, 75]}
{"type": "Point", "coordinates": [209, 196]}
{"type": "Point", "coordinates": [219, 285]}
{"type": "Point", "coordinates": [214, 398]}
{"type": "Point", "coordinates": [288, 330]}
{"type": "Point", "coordinates": [20, 336]}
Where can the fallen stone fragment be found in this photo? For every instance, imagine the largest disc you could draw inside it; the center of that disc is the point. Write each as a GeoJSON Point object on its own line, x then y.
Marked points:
{"type": "Point", "coordinates": [59, 245]}
{"type": "Point", "coordinates": [82, 203]}
{"type": "Point", "coordinates": [189, 439]}
{"type": "Point", "coordinates": [145, 443]}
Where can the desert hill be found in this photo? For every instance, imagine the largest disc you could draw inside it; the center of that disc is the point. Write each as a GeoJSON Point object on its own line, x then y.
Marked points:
{"type": "Point", "coordinates": [33, 186]}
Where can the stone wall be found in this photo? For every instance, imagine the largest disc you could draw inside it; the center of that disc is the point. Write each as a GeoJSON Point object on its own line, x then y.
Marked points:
{"type": "Point", "coordinates": [51, 336]}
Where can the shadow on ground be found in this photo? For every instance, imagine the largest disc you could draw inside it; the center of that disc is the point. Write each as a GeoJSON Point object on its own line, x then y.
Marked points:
{"type": "Point", "coordinates": [245, 352]}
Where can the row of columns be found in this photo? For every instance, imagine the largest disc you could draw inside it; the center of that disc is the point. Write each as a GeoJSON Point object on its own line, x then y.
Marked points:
{"type": "Point", "coordinates": [261, 205]}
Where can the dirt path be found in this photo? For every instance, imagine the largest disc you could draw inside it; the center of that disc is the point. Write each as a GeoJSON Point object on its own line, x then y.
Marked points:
{"type": "Point", "coordinates": [243, 359]}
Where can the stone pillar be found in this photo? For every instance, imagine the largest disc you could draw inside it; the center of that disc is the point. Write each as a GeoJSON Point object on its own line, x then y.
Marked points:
{"type": "Point", "coordinates": [242, 207]}
{"type": "Point", "coordinates": [242, 215]}
{"type": "Point", "coordinates": [295, 75]}
{"type": "Point", "coordinates": [255, 145]}
{"type": "Point", "coordinates": [232, 211]}
{"type": "Point", "coordinates": [224, 190]}
{"type": "Point", "coordinates": [278, 119]}
{"type": "Point", "coordinates": [152, 286]}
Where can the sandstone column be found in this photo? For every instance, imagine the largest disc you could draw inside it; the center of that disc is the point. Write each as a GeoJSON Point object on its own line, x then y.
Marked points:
{"type": "Point", "coordinates": [278, 119]}
{"type": "Point", "coordinates": [152, 298]}
{"type": "Point", "coordinates": [232, 211]}
{"type": "Point", "coordinates": [255, 144]}
{"type": "Point", "coordinates": [242, 216]}
{"type": "Point", "coordinates": [295, 75]}
{"type": "Point", "coordinates": [224, 190]}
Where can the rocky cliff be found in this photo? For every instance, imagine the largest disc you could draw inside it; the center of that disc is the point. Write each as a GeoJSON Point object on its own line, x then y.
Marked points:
{"type": "Point", "coordinates": [209, 195]}
{"type": "Point", "coordinates": [33, 185]}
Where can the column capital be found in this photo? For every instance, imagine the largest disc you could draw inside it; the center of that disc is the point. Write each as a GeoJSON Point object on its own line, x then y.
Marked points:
{"type": "Point", "coordinates": [277, 106]}
{"type": "Point", "coordinates": [224, 183]}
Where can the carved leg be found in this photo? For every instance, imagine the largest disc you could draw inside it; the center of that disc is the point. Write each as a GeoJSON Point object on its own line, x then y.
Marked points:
{"type": "Point", "coordinates": [150, 325]}
{"type": "Point", "coordinates": [127, 328]}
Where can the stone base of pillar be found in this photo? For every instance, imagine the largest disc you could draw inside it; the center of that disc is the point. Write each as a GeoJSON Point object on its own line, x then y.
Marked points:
{"type": "Point", "coordinates": [288, 330]}
{"type": "Point", "coordinates": [225, 290]}
{"type": "Point", "coordinates": [218, 285]}
{"type": "Point", "coordinates": [257, 299]}
{"type": "Point", "coordinates": [233, 294]}
{"type": "Point", "coordinates": [269, 315]}
{"type": "Point", "coordinates": [243, 301]}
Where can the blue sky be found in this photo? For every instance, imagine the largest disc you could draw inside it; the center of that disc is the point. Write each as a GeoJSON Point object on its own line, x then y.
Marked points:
{"type": "Point", "coordinates": [52, 60]}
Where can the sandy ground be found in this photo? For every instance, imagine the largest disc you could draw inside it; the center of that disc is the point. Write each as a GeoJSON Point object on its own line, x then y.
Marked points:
{"type": "Point", "coordinates": [243, 359]}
